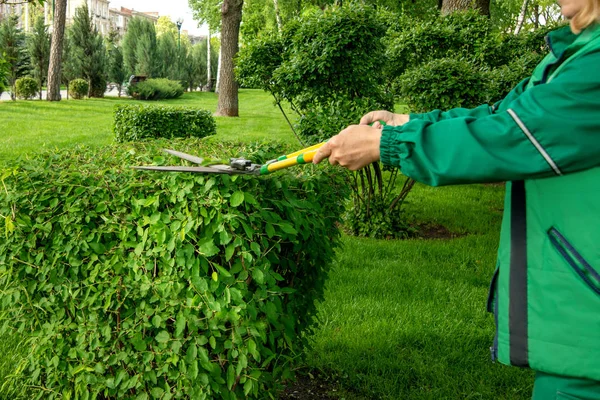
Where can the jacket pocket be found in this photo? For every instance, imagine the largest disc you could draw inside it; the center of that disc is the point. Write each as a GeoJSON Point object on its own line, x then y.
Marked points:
{"type": "Point", "coordinates": [492, 307]}
{"type": "Point", "coordinates": [575, 260]}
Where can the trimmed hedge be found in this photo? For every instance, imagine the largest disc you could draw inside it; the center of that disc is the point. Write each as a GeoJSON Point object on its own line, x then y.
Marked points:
{"type": "Point", "coordinates": [156, 89]}
{"type": "Point", "coordinates": [26, 88]}
{"type": "Point", "coordinates": [137, 285]}
{"type": "Point", "coordinates": [137, 122]}
{"type": "Point", "coordinates": [443, 84]}
{"type": "Point", "coordinates": [78, 88]}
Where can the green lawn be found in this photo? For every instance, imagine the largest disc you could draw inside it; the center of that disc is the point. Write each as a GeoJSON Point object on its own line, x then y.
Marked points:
{"type": "Point", "coordinates": [400, 319]}
{"type": "Point", "coordinates": [31, 126]}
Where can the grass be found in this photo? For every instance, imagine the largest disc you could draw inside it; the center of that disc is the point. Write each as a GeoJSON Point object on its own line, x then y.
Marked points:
{"type": "Point", "coordinates": [400, 319]}
{"type": "Point", "coordinates": [31, 126]}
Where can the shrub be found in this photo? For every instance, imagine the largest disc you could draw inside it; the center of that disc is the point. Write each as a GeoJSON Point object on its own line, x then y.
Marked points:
{"type": "Point", "coordinates": [136, 284]}
{"type": "Point", "coordinates": [456, 35]}
{"type": "Point", "coordinates": [98, 86]}
{"type": "Point", "coordinates": [502, 80]}
{"type": "Point", "coordinates": [443, 84]}
{"type": "Point", "coordinates": [79, 88]}
{"type": "Point", "coordinates": [155, 89]}
{"type": "Point", "coordinates": [327, 66]}
{"type": "Point", "coordinates": [136, 122]}
{"type": "Point", "coordinates": [27, 88]}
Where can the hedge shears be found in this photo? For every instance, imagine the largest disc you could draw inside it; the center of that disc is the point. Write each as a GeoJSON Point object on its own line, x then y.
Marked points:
{"type": "Point", "coordinates": [238, 166]}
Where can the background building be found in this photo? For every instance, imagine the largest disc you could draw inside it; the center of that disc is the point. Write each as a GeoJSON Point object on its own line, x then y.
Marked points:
{"type": "Point", "coordinates": [104, 17]}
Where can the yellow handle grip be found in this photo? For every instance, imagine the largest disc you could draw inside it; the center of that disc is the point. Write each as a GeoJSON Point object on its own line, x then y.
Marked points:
{"type": "Point", "coordinates": [299, 152]}
{"type": "Point", "coordinates": [302, 158]}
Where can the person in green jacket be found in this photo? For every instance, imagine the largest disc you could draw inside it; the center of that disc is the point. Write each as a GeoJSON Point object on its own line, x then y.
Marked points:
{"type": "Point", "coordinates": [543, 139]}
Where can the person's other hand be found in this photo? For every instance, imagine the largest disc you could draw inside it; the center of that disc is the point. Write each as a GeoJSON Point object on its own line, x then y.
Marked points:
{"type": "Point", "coordinates": [353, 148]}
{"type": "Point", "coordinates": [389, 118]}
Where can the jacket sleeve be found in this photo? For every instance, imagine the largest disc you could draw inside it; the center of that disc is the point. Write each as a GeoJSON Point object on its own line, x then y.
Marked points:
{"type": "Point", "coordinates": [550, 129]}
{"type": "Point", "coordinates": [477, 112]}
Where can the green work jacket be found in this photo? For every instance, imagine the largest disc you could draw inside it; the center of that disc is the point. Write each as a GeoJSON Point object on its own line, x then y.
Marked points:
{"type": "Point", "coordinates": [544, 140]}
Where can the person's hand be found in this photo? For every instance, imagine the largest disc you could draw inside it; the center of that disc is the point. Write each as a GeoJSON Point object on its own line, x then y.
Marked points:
{"type": "Point", "coordinates": [389, 118]}
{"type": "Point", "coordinates": [353, 148]}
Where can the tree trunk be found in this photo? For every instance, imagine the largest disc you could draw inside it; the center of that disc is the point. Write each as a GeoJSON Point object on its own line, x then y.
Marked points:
{"type": "Point", "coordinates": [231, 17]}
{"type": "Point", "coordinates": [536, 16]}
{"type": "Point", "coordinates": [218, 70]}
{"type": "Point", "coordinates": [277, 15]}
{"type": "Point", "coordinates": [521, 17]}
{"type": "Point", "coordinates": [208, 73]}
{"type": "Point", "coordinates": [449, 6]}
{"type": "Point", "coordinates": [58, 33]}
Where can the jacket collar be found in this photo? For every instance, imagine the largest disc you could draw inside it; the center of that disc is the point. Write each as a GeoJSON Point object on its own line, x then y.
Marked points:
{"type": "Point", "coordinates": [564, 42]}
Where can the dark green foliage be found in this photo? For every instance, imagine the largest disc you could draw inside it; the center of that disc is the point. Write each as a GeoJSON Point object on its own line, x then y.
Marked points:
{"type": "Point", "coordinates": [500, 81]}
{"type": "Point", "coordinates": [167, 57]}
{"type": "Point", "coordinates": [4, 68]}
{"type": "Point", "coordinates": [13, 46]}
{"type": "Point", "coordinates": [78, 88]}
{"type": "Point", "coordinates": [88, 52]}
{"type": "Point", "coordinates": [38, 45]}
{"type": "Point", "coordinates": [194, 66]}
{"type": "Point", "coordinates": [505, 48]}
{"type": "Point", "coordinates": [416, 41]}
{"type": "Point", "coordinates": [26, 88]}
{"type": "Point", "coordinates": [457, 60]}
{"type": "Point", "coordinates": [116, 69]}
{"type": "Point", "coordinates": [327, 66]}
{"type": "Point", "coordinates": [67, 70]}
{"type": "Point", "coordinates": [135, 122]}
{"type": "Point", "coordinates": [155, 89]}
{"type": "Point", "coordinates": [139, 47]}
{"type": "Point", "coordinates": [443, 83]}
{"type": "Point", "coordinates": [144, 285]}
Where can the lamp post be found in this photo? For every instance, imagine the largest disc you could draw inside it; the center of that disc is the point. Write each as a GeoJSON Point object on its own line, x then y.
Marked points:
{"type": "Point", "coordinates": [179, 23]}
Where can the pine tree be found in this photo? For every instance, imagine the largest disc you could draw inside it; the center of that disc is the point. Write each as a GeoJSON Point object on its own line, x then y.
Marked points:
{"type": "Point", "coordinates": [38, 44]}
{"type": "Point", "coordinates": [68, 67]}
{"type": "Point", "coordinates": [139, 47]}
{"type": "Point", "coordinates": [116, 69]}
{"type": "Point", "coordinates": [12, 46]}
{"type": "Point", "coordinates": [88, 52]}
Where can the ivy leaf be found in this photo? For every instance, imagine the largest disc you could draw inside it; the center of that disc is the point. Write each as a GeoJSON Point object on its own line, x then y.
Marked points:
{"type": "Point", "coordinates": [236, 199]}
{"type": "Point", "coordinates": [222, 270]}
{"type": "Point", "coordinates": [287, 228]}
{"type": "Point", "coordinates": [180, 324]}
{"type": "Point", "coordinates": [208, 249]}
{"type": "Point", "coordinates": [163, 337]}
{"type": "Point", "coordinates": [230, 376]}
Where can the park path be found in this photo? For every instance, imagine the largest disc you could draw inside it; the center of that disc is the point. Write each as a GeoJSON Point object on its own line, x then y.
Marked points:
{"type": "Point", "coordinates": [6, 96]}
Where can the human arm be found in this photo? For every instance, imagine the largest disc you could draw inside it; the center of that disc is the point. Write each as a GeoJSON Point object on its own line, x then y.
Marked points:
{"type": "Point", "coordinates": [548, 130]}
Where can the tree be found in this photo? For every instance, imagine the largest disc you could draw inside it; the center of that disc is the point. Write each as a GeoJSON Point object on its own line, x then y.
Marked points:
{"type": "Point", "coordinates": [12, 44]}
{"type": "Point", "coordinates": [207, 11]}
{"type": "Point", "coordinates": [58, 33]}
{"type": "Point", "coordinates": [68, 67]}
{"type": "Point", "coordinates": [165, 25]}
{"type": "Point", "coordinates": [167, 56]}
{"type": "Point", "coordinates": [38, 44]}
{"type": "Point", "coordinates": [116, 69]}
{"type": "Point", "coordinates": [231, 17]}
{"type": "Point", "coordinates": [4, 67]}
{"type": "Point", "coordinates": [450, 6]}
{"type": "Point", "coordinates": [88, 51]}
{"type": "Point", "coordinates": [139, 47]}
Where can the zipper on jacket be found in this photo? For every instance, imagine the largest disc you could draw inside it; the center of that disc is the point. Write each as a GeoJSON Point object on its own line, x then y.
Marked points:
{"type": "Point", "coordinates": [492, 307]}
{"type": "Point", "coordinates": [575, 260]}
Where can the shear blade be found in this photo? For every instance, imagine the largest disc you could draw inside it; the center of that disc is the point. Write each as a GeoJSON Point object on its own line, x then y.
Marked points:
{"type": "Point", "coordinates": [184, 156]}
{"type": "Point", "coordinates": [214, 169]}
